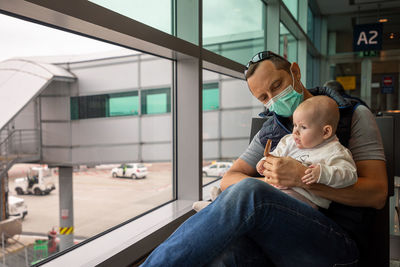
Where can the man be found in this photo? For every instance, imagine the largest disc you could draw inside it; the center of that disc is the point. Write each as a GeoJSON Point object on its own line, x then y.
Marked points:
{"type": "Point", "coordinates": [254, 224]}
{"type": "Point", "coordinates": [338, 87]}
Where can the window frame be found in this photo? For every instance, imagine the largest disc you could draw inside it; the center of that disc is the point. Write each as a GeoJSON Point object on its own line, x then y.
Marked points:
{"type": "Point", "coordinates": [87, 19]}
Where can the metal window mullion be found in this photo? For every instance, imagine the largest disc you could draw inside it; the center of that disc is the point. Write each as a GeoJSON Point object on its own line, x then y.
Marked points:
{"type": "Point", "coordinates": [188, 139]}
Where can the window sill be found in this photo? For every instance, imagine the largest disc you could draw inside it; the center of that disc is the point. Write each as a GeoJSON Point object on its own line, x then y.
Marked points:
{"type": "Point", "coordinates": [130, 242]}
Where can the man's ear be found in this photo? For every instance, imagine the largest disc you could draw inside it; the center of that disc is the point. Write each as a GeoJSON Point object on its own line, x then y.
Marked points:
{"type": "Point", "coordinates": [294, 67]}
{"type": "Point", "coordinates": [327, 131]}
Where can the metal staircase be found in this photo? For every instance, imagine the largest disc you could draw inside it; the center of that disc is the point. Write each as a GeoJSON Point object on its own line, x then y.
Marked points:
{"type": "Point", "coordinates": [18, 145]}
{"type": "Point", "coordinates": [14, 253]}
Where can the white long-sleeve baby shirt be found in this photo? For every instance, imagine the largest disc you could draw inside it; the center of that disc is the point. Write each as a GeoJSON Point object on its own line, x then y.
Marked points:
{"type": "Point", "coordinates": [338, 168]}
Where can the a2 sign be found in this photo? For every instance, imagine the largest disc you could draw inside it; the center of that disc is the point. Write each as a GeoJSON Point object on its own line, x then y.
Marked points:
{"type": "Point", "coordinates": [367, 37]}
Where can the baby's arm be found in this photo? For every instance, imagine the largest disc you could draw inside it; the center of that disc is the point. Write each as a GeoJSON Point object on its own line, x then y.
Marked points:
{"type": "Point", "coordinates": [260, 166]}
{"type": "Point", "coordinates": [338, 171]}
{"type": "Point", "coordinates": [312, 174]}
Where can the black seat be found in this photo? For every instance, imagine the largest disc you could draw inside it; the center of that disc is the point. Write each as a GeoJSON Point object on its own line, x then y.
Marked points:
{"type": "Point", "coordinates": [378, 230]}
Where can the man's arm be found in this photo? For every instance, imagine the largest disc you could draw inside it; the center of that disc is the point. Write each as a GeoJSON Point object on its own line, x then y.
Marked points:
{"type": "Point", "coordinates": [239, 171]}
{"type": "Point", "coordinates": [370, 190]}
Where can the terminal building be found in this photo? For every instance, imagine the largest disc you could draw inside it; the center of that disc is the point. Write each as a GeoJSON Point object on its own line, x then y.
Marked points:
{"type": "Point", "coordinates": [161, 87]}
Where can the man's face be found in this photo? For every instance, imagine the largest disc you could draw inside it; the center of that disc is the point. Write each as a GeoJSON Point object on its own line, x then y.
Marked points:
{"type": "Point", "coordinates": [266, 82]}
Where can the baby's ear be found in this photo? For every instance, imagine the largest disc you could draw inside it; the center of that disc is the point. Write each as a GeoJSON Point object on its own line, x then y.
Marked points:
{"type": "Point", "coordinates": [327, 130]}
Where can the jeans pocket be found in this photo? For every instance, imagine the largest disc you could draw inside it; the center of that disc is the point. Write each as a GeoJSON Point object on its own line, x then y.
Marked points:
{"type": "Point", "coordinates": [353, 263]}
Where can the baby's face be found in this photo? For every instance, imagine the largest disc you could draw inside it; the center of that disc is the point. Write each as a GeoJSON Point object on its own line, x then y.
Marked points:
{"type": "Point", "coordinates": [307, 132]}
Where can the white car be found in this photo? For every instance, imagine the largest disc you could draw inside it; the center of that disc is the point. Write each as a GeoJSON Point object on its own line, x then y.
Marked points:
{"type": "Point", "coordinates": [217, 169]}
{"type": "Point", "coordinates": [132, 170]}
{"type": "Point", "coordinates": [17, 207]}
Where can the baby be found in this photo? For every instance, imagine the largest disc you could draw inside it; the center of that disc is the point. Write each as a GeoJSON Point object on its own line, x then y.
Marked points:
{"type": "Point", "coordinates": [313, 142]}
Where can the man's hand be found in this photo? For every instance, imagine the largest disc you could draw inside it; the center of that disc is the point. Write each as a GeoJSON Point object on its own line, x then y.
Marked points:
{"type": "Point", "coordinates": [284, 171]}
{"type": "Point", "coordinates": [311, 174]}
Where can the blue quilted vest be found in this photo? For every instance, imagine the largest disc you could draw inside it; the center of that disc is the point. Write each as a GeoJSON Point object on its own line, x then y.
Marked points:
{"type": "Point", "coordinates": [276, 126]}
{"type": "Point", "coordinates": [354, 220]}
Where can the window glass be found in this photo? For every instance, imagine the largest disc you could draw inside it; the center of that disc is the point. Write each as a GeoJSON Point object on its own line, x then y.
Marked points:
{"type": "Point", "coordinates": [309, 82]}
{"type": "Point", "coordinates": [155, 13]}
{"type": "Point", "coordinates": [124, 104]}
{"type": "Point", "coordinates": [107, 105]}
{"type": "Point", "coordinates": [108, 188]}
{"type": "Point", "coordinates": [310, 24]}
{"type": "Point", "coordinates": [292, 5]}
{"type": "Point", "coordinates": [210, 96]}
{"type": "Point", "coordinates": [287, 44]}
{"type": "Point", "coordinates": [156, 101]}
{"type": "Point", "coordinates": [233, 29]}
{"type": "Point", "coordinates": [226, 129]}
{"type": "Point", "coordinates": [95, 106]}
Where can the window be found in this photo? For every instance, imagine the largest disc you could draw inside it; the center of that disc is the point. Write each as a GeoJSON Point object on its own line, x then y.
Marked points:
{"type": "Point", "coordinates": [124, 104]}
{"type": "Point", "coordinates": [155, 13]}
{"type": "Point", "coordinates": [310, 24]}
{"type": "Point", "coordinates": [108, 105]}
{"type": "Point", "coordinates": [233, 29]}
{"type": "Point", "coordinates": [293, 6]}
{"type": "Point", "coordinates": [73, 119]}
{"type": "Point", "coordinates": [225, 129]}
{"type": "Point", "coordinates": [156, 101]}
{"type": "Point", "coordinates": [210, 96]}
{"type": "Point", "coordinates": [89, 107]}
{"type": "Point", "coordinates": [287, 44]}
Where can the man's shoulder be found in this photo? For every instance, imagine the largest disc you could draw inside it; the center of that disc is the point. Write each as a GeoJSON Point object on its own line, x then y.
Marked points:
{"type": "Point", "coordinates": [362, 111]}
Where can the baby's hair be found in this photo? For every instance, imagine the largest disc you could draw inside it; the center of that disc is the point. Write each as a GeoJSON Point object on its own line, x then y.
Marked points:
{"type": "Point", "coordinates": [323, 109]}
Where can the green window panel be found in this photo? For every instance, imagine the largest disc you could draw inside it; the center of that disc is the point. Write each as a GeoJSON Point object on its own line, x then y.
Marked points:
{"type": "Point", "coordinates": [210, 96]}
{"type": "Point", "coordinates": [156, 101]}
{"type": "Point", "coordinates": [74, 108]}
{"type": "Point", "coordinates": [124, 104]}
{"type": "Point", "coordinates": [106, 105]}
{"type": "Point", "coordinates": [87, 107]}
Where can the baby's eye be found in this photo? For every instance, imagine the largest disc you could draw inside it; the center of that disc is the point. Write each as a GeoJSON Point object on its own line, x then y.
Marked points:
{"type": "Point", "coordinates": [303, 127]}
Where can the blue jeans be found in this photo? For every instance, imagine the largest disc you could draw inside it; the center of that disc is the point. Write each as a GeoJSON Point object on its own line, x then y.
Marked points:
{"type": "Point", "coordinates": [254, 224]}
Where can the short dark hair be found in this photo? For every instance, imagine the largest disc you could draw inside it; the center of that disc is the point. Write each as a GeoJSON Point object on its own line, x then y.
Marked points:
{"type": "Point", "coordinates": [279, 62]}
{"type": "Point", "coordinates": [335, 85]}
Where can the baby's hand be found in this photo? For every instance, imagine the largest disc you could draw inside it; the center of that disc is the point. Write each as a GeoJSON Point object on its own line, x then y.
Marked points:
{"type": "Point", "coordinates": [311, 174]}
{"type": "Point", "coordinates": [260, 166]}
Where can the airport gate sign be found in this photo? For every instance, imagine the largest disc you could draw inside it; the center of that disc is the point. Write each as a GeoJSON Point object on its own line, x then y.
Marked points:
{"type": "Point", "coordinates": [367, 37]}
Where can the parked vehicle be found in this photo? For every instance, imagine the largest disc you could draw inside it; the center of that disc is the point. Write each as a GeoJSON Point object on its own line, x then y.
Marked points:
{"type": "Point", "coordinates": [132, 170]}
{"type": "Point", "coordinates": [17, 207]}
{"type": "Point", "coordinates": [38, 181]}
{"type": "Point", "coordinates": [217, 169]}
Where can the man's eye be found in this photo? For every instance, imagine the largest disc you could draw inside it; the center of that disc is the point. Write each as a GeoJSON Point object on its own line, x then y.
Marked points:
{"type": "Point", "coordinates": [277, 85]}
